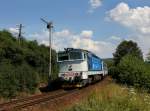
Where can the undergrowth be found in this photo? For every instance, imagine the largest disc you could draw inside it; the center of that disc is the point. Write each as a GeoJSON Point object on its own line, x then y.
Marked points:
{"type": "Point", "coordinates": [114, 98]}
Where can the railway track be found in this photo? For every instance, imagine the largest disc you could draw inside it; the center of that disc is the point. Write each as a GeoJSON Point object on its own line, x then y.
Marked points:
{"type": "Point", "coordinates": [30, 101]}
{"type": "Point", "coordinates": [48, 97]}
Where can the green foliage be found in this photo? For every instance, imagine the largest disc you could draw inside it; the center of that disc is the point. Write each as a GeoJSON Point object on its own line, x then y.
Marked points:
{"type": "Point", "coordinates": [114, 72]}
{"type": "Point", "coordinates": [132, 71]}
{"type": "Point", "coordinates": [24, 65]}
{"type": "Point", "coordinates": [129, 67]}
{"type": "Point", "coordinates": [109, 62]}
{"type": "Point", "coordinates": [127, 47]}
{"type": "Point", "coordinates": [8, 82]}
{"type": "Point", "coordinates": [110, 65]}
{"type": "Point", "coordinates": [15, 79]}
{"type": "Point", "coordinates": [148, 57]}
{"type": "Point", "coordinates": [28, 79]}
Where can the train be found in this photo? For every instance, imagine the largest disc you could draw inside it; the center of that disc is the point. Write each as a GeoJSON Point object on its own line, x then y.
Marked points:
{"type": "Point", "coordinates": [78, 67]}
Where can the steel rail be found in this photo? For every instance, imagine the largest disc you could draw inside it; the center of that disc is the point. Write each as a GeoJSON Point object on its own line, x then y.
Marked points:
{"type": "Point", "coordinates": [30, 101]}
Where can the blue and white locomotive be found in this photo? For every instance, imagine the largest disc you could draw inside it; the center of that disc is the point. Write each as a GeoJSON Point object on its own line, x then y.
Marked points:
{"type": "Point", "coordinates": [80, 67]}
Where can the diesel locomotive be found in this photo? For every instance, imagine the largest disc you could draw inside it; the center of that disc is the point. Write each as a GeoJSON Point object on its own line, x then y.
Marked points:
{"type": "Point", "coordinates": [78, 67]}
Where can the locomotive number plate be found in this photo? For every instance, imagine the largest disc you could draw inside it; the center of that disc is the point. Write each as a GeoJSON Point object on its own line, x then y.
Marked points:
{"type": "Point", "coordinates": [71, 74]}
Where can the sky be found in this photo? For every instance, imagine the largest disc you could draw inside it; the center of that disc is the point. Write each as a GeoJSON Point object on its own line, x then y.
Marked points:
{"type": "Point", "coordinates": [95, 25]}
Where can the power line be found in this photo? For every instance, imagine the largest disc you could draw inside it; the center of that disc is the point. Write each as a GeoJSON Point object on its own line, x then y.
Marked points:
{"type": "Point", "coordinates": [20, 26]}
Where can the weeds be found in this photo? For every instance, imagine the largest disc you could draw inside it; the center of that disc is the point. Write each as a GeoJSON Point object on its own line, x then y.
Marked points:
{"type": "Point", "coordinates": [114, 98]}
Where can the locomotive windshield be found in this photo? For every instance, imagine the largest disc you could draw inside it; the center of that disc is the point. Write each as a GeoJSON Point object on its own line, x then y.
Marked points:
{"type": "Point", "coordinates": [75, 55]}
{"type": "Point", "coordinates": [72, 55]}
{"type": "Point", "coordinates": [63, 56]}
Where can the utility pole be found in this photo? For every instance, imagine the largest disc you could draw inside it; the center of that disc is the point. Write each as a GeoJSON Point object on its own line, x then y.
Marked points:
{"type": "Point", "coordinates": [20, 26]}
{"type": "Point", "coordinates": [49, 27]}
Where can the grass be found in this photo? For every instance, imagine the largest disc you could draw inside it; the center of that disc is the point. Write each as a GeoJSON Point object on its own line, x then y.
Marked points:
{"type": "Point", "coordinates": [114, 97]}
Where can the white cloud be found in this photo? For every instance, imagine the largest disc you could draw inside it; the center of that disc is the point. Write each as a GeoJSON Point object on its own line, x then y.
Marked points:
{"type": "Point", "coordinates": [83, 40]}
{"type": "Point", "coordinates": [41, 37]}
{"type": "Point", "coordinates": [86, 34]}
{"type": "Point", "coordinates": [115, 38]}
{"type": "Point", "coordinates": [63, 33]}
{"type": "Point", "coordinates": [143, 42]}
{"type": "Point", "coordinates": [94, 4]}
{"type": "Point", "coordinates": [137, 18]}
{"type": "Point", "coordinates": [13, 30]}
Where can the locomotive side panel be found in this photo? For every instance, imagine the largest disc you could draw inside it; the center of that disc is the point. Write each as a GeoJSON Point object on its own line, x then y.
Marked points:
{"type": "Point", "coordinates": [94, 63]}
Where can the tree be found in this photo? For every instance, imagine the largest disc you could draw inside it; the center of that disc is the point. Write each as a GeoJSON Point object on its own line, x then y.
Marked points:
{"type": "Point", "coordinates": [127, 47]}
{"type": "Point", "coordinates": [23, 67]}
{"type": "Point", "coordinates": [148, 57]}
{"type": "Point", "coordinates": [133, 71]}
{"type": "Point", "coordinates": [130, 69]}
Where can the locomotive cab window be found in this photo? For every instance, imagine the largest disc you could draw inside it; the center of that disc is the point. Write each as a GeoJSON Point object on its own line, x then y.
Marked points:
{"type": "Point", "coordinates": [70, 56]}
{"type": "Point", "coordinates": [63, 56]}
{"type": "Point", "coordinates": [75, 55]}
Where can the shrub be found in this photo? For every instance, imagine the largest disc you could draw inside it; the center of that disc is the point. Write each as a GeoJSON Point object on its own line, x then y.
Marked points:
{"type": "Point", "coordinates": [27, 78]}
{"type": "Point", "coordinates": [133, 71]}
{"type": "Point", "coordinates": [113, 71]}
{"type": "Point", "coordinates": [23, 66]}
{"type": "Point", "coordinates": [16, 79]}
{"type": "Point", "coordinates": [8, 81]}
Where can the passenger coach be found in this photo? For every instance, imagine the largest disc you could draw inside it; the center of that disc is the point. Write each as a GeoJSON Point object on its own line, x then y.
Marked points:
{"type": "Point", "coordinates": [80, 67]}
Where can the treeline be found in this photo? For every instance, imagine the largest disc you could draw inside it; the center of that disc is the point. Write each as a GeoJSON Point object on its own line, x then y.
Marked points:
{"type": "Point", "coordinates": [23, 65]}
{"type": "Point", "coordinates": [128, 66]}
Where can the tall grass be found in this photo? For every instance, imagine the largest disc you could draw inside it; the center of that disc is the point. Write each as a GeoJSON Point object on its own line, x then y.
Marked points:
{"type": "Point", "coordinates": [114, 98]}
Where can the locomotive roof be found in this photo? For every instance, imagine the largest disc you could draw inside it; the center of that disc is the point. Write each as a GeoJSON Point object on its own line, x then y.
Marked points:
{"type": "Point", "coordinates": [72, 49]}
{"type": "Point", "coordinates": [82, 50]}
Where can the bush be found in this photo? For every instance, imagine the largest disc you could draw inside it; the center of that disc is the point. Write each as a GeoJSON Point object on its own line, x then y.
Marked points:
{"type": "Point", "coordinates": [145, 78]}
{"type": "Point", "coordinates": [23, 66]}
{"type": "Point", "coordinates": [16, 79]}
{"type": "Point", "coordinates": [113, 71]}
{"type": "Point", "coordinates": [8, 81]}
{"type": "Point", "coordinates": [28, 79]}
{"type": "Point", "coordinates": [132, 71]}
